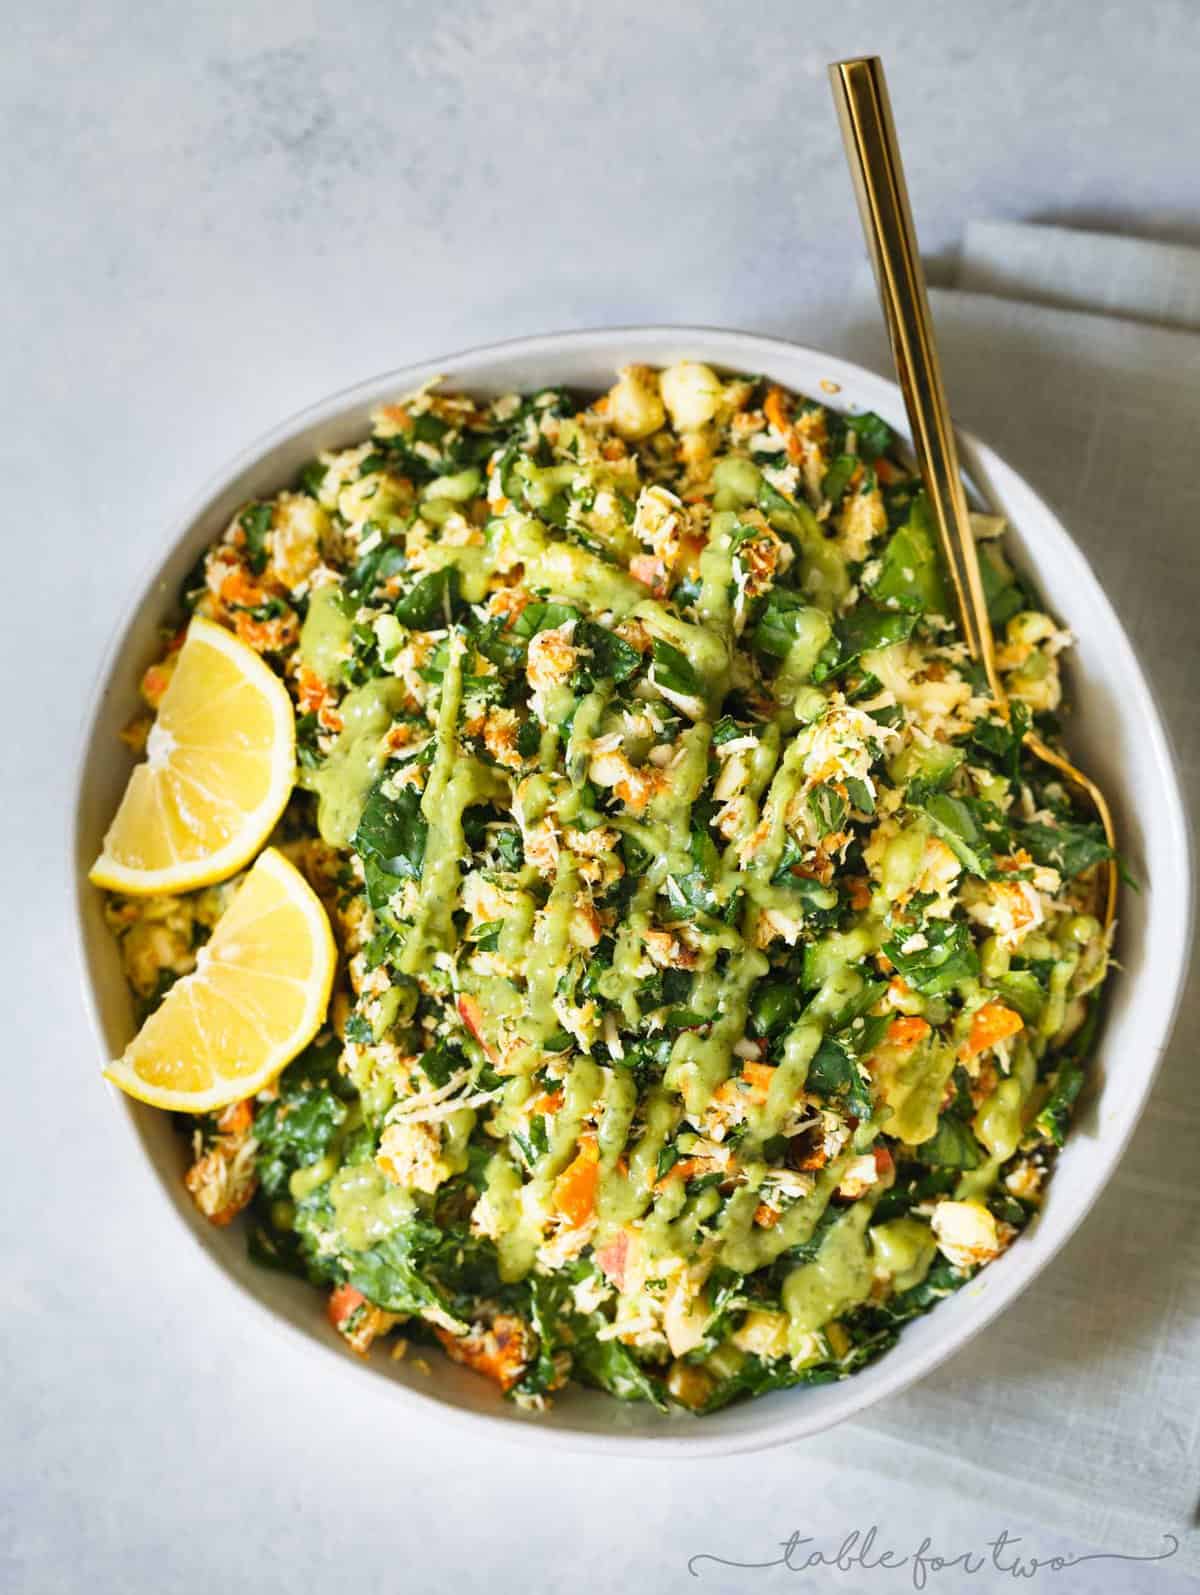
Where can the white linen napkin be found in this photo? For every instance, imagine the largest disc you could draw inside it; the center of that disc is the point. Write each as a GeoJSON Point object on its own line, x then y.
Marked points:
{"type": "Point", "coordinates": [1080, 1407]}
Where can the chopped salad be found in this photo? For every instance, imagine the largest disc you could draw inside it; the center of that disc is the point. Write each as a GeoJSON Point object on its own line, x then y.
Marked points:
{"type": "Point", "coordinates": [716, 974]}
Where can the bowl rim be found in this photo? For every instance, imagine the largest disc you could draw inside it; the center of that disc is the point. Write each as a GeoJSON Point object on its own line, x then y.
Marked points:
{"type": "Point", "coordinates": [694, 1440]}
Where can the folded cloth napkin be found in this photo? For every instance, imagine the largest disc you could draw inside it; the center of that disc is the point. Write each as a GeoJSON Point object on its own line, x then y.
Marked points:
{"type": "Point", "coordinates": [1130, 277]}
{"type": "Point", "coordinates": [1080, 1407]}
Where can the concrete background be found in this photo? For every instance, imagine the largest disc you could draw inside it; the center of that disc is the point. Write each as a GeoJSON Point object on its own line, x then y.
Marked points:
{"type": "Point", "coordinates": [212, 216]}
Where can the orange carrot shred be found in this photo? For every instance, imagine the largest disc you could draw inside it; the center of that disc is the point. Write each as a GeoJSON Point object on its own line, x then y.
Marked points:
{"type": "Point", "coordinates": [575, 1187]}
{"type": "Point", "coordinates": [908, 1031]}
{"type": "Point", "coordinates": [991, 1023]}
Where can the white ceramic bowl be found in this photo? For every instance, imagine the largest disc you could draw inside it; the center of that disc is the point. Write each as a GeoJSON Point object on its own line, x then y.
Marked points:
{"type": "Point", "coordinates": [1116, 732]}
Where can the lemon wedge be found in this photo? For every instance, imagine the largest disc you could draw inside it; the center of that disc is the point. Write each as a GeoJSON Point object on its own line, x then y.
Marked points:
{"type": "Point", "coordinates": [219, 767]}
{"type": "Point", "coordinates": [256, 998]}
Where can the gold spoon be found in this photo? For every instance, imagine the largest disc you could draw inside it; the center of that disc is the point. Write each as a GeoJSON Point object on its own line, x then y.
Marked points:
{"type": "Point", "coordinates": [872, 149]}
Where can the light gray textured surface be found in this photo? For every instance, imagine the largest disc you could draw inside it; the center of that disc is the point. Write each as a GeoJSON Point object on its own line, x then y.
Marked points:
{"type": "Point", "coordinates": [214, 215]}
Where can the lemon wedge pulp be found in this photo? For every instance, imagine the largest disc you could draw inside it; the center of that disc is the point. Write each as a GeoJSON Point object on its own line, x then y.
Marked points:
{"type": "Point", "coordinates": [218, 772]}
{"type": "Point", "coordinates": [256, 998]}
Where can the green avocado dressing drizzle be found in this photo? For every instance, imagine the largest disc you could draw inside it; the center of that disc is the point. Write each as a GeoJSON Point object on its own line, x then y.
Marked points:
{"type": "Point", "coordinates": [838, 1278]}
{"type": "Point", "coordinates": [454, 784]}
{"type": "Point", "coordinates": [548, 951]}
{"type": "Point", "coordinates": [356, 760]}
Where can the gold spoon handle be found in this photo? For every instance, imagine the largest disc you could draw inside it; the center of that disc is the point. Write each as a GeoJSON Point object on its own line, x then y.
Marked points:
{"type": "Point", "coordinates": [865, 114]}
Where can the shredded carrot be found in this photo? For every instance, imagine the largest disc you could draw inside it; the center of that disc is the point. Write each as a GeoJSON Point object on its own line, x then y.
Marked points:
{"type": "Point", "coordinates": [311, 690]}
{"type": "Point", "coordinates": [685, 1169]}
{"type": "Point", "coordinates": [773, 409]}
{"type": "Point", "coordinates": [750, 1086]}
{"type": "Point", "coordinates": [135, 734]}
{"type": "Point", "coordinates": [471, 1014]}
{"type": "Point", "coordinates": [650, 571]}
{"type": "Point", "coordinates": [236, 1118]}
{"type": "Point", "coordinates": [612, 1259]}
{"type": "Point", "coordinates": [811, 1154]}
{"type": "Point", "coordinates": [766, 1216]}
{"type": "Point", "coordinates": [818, 869]}
{"type": "Point", "coordinates": [398, 416]}
{"type": "Point", "coordinates": [575, 1187]}
{"type": "Point", "coordinates": [155, 682]}
{"type": "Point", "coordinates": [1019, 859]}
{"type": "Point", "coordinates": [991, 1023]}
{"type": "Point", "coordinates": [860, 892]}
{"type": "Point", "coordinates": [691, 546]}
{"type": "Point", "coordinates": [907, 1031]}
{"type": "Point", "coordinates": [759, 1075]}
{"type": "Point", "coordinates": [240, 588]}
{"type": "Point", "coordinates": [343, 1301]}
{"type": "Point", "coordinates": [499, 1352]}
